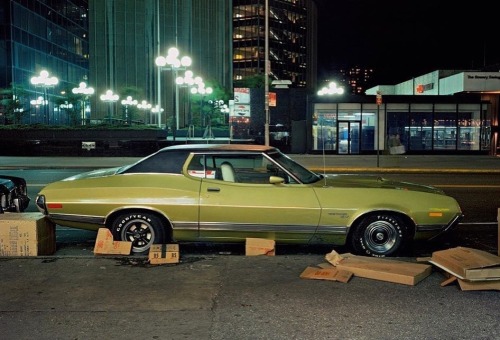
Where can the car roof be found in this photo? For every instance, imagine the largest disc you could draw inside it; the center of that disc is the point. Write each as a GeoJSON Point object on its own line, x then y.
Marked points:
{"type": "Point", "coordinates": [220, 147]}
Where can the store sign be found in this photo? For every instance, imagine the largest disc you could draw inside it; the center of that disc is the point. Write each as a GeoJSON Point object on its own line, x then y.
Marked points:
{"type": "Point", "coordinates": [242, 110]}
{"type": "Point", "coordinates": [272, 99]}
{"type": "Point", "coordinates": [242, 95]}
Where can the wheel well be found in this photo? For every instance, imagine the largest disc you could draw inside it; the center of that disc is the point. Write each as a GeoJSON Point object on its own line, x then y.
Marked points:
{"type": "Point", "coordinates": [165, 221]}
{"type": "Point", "coordinates": [408, 222]}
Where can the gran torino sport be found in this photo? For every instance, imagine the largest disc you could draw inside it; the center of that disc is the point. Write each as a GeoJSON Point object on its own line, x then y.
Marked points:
{"type": "Point", "coordinates": [229, 192]}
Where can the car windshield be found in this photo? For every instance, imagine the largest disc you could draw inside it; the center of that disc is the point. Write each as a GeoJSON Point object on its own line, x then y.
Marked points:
{"type": "Point", "coordinates": [302, 174]}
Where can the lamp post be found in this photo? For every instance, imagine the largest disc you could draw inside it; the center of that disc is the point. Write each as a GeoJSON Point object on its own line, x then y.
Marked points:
{"type": "Point", "coordinates": [45, 82]}
{"type": "Point", "coordinates": [37, 103]}
{"type": "Point", "coordinates": [145, 106]}
{"type": "Point", "coordinates": [85, 91]}
{"type": "Point", "coordinates": [173, 63]}
{"type": "Point", "coordinates": [157, 111]}
{"type": "Point", "coordinates": [109, 97]}
{"type": "Point", "coordinates": [127, 102]}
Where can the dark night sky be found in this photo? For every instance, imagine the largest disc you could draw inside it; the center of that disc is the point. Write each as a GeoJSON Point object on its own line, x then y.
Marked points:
{"type": "Point", "coordinates": [402, 39]}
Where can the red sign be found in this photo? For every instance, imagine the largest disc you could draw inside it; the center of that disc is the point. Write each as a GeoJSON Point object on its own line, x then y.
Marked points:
{"type": "Point", "coordinates": [420, 88]}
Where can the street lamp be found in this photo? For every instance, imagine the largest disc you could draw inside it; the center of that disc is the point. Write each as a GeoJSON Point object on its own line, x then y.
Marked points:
{"type": "Point", "coordinates": [157, 111]}
{"type": "Point", "coordinates": [332, 89]}
{"type": "Point", "coordinates": [127, 102]}
{"type": "Point", "coordinates": [144, 105]}
{"type": "Point", "coordinates": [85, 92]}
{"type": "Point", "coordinates": [45, 82]}
{"type": "Point", "coordinates": [109, 97]}
{"type": "Point", "coordinates": [202, 91]}
{"type": "Point", "coordinates": [37, 103]}
{"type": "Point", "coordinates": [173, 63]}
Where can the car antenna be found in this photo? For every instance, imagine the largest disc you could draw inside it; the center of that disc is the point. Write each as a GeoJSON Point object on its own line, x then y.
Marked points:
{"type": "Point", "coordinates": [324, 156]}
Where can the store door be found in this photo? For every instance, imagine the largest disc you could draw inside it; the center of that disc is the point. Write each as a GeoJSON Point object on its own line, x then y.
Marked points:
{"type": "Point", "coordinates": [348, 137]}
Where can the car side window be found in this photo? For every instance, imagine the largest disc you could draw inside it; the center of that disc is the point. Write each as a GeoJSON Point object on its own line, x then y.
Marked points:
{"type": "Point", "coordinates": [197, 167]}
{"type": "Point", "coordinates": [254, 169]}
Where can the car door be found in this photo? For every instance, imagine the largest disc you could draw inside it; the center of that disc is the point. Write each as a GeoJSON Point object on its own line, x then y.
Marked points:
{"type": "Point", "coordinates": [250, 206]}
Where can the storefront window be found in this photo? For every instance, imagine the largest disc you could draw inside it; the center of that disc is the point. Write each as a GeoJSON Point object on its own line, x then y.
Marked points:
{"type": "Point", "coordinates": [445, 131]}
{"type": "Point", "coordinates": [369, 127]}
{"type": "Point", "coordinates": [420, 132]}
{"type": "Point", "coordinates": [325, 130]}
{"type": "Point", "coordinates": [397, 124]}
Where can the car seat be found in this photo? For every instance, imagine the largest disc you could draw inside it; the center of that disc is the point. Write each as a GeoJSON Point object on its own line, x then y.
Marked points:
{"type": "Point", "coordinates": [227, 171]}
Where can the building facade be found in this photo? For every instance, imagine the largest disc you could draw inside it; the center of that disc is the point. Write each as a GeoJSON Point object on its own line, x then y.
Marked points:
{"type": "Point", "coordinates": [291, 36]}
{"type": "Point", "coordinates": [38, 35]}
{"type": "Point", "coordinates": [440, 112]}
{"type": "Point", "coordinates": [127, 37]}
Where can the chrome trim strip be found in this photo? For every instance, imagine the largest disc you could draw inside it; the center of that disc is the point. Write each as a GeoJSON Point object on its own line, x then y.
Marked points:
{"type": "Point", "coordinates": [440, 227]}
{"type": "Point", "coordinates": [78, 218]}
{"type": "Point", "coordinates": [225, 226]}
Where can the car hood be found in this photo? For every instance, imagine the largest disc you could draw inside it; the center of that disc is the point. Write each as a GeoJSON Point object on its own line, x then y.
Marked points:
{"type": "Point", "coordinates": [94, 174]}
{"type": "Point", "coordinates": [374, 181]}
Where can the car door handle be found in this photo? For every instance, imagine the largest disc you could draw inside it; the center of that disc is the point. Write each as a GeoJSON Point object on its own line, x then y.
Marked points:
{"type": "Point", "coordinates": [213, 189]}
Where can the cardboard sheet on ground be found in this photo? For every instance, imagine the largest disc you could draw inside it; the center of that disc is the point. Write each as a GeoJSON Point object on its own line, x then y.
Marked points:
{"type": "Point", "coordinates": [468, 263]}
{"type": "Point", "coordinates": [382, 269]}
{"type": "Point", "coordinates": [104, 244]}
{"type": "Point", "coordinates": [332, 274]}
{"type": "Point", "coordinates": [259, 246]}
{"type": "Point", "coordinates": [164, 253]}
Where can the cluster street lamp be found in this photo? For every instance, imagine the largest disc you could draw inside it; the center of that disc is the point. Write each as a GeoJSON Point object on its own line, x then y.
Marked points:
{"type": "Point", "coordinates": [157, 111]}
{"type": "Point", "coordinates": [85, 91]}
{"type": "Point", "coordinates": [45, 82]}
{"type": "Point", "coordinates": [109, 97]}
{"type": "Point", "coordinates": [332, 89]}
{"type": "Point", "coordinates": [127, 102]}
{"type": "Point", "coordinates": [173, 63]}
{"type": "Point", "coordinates": [37, 103]}
{"type": "Point", "coordinates": [144, 105]}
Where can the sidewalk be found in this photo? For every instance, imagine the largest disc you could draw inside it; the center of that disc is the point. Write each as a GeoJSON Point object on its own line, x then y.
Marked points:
{"type": "Point", "coordinates": [319, 163]}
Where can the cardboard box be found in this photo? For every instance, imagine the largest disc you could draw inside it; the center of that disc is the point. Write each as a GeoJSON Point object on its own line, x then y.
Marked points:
{"type": "Point", "coordinates": [164, 253]}
{"type": "Point", "coordinates": [104, 244]}
{"type": "Point", "coordinates": [468, 263]}
{"type": "Point", "coordinates": [377, 268]}
{"type": "Point", "coordinates": [259, 246]}
{"type": "Point", "coordinates": [26, 234]}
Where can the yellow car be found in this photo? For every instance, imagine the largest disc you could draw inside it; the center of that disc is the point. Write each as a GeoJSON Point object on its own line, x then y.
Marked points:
{"type": "Point", "coordinates": [227, 193]}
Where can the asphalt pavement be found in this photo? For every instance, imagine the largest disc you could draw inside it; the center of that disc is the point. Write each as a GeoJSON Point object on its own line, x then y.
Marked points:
{"type": "Point", "coordinates": [228, 295]}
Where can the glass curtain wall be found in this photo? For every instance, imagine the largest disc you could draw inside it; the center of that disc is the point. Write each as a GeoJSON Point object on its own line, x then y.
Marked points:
{"type": "Point", "coordinates": [349, 128]}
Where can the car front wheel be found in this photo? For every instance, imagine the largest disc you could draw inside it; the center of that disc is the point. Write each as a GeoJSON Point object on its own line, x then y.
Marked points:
{"type": "Point", "coordinates": [379, 235]}
{"type": "Point", "coordinates": [142, 229]}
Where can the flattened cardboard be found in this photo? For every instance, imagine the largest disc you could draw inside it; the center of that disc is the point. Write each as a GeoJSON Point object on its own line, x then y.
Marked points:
{"type": "Point", "coordinates": [104, 244]}
{"type": "Point", "coordinates": [26, 234]}
{"type": "Point", "coordinates": [259, 246]}
{"type": "Point", "coordinates": [468, 263]}
{"type": "Point", "coordinates": [164, 253]}
{"type": "Point", "coordinates": [479, 285]}
{"type": "Point", "coordinates": [332, 274]}
{"type": "Point", "coordinates": [382, 269]}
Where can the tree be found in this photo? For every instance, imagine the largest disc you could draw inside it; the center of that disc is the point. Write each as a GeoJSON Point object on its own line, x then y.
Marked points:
{"type": "Point", "coordinates": [71, 104]}
{"type": "Point", "coordinates": [11, 100]}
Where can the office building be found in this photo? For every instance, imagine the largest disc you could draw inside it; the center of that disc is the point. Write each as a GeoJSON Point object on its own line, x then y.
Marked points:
{"type": "Point", "coordinates": [291, 37]}
{"type": "Point", "coordinates": [38, 35]}
{"type": "Point", "coordinates": [128, 36]}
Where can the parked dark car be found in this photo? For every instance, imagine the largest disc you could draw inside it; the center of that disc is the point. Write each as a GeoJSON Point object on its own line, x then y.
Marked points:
{"type": "Point", "coordinates": [13, 194]}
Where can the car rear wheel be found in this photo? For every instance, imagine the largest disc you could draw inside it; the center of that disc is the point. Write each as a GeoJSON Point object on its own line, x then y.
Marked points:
{"type": "Point", "coordinates": [142, 229]}
{"type": "Point", "coordinates": [379, 235]}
